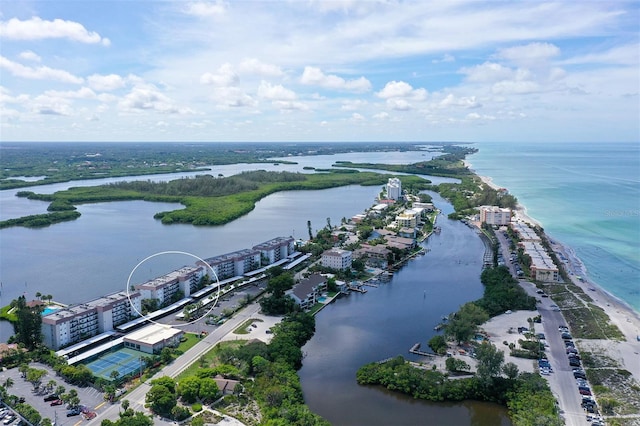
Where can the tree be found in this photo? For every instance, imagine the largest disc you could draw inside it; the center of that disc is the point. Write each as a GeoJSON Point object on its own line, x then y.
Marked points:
{"type": "Point", "coordinates": [161, 400]}
{"type": "Point", "coordinates": [438, 344]}
{"type": "Point", "coordinates": [8, 383]}
{"type": "Point", "coordinates": [490, 361]}
{"type": "Point", "coordinates": [455, 364]}
{"type": "Point", "coordinates": [28, 327]}
{"type": "Point", "coordinates": [34, 376]}
{"type": "Point", "coordinates": [189, 389]}
{"type": "Point", "coordinates": [166, 355]}
{"type": "Point", "coordinates": [114, 375]}
{"type": "Point", "coordinates": [510, 370]}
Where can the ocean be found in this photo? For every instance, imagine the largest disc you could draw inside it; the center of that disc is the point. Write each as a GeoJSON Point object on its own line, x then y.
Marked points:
{"type": "Point", "coordinates": [585, 195]}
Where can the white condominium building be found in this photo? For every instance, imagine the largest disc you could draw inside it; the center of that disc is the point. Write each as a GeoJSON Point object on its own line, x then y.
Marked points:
{"type": "Point", "coordinates": [336, 259]}
{"type": "Point", "coordinates": [165, 287]}
{"type": "Point", "coordinates": [494, 215]}
{"type": "Point", "coordinates": [276, 249]}
{"type": "Point", "coordinates": [74, 324]}
{"type": "Point", "coordinates": [234, 264]}
{"type": "Point", "coordinates": [394, 189]}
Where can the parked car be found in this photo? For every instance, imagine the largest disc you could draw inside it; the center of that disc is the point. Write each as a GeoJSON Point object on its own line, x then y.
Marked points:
{"type": "Point", "coordinates": [584, 392]}
{"type": "Point", "coordinates": [566, 336]}
{"type": "Point", "coordinates": [56, 402]}
{"type": "Point", "coordinates": [73, 412]}
{"type": "Point", "coordinates": [51, 397]}
{"type": "Point", "coordinates": [573, 362]}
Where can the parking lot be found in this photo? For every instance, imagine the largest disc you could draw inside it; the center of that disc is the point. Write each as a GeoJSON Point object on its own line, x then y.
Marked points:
{"type": "Point", "coordinates": [227, 303]}
{"type": "Point", "coordinates": [89, 397]}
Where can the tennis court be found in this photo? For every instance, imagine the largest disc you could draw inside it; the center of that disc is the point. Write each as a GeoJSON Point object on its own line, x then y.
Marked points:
{"type": "Point", "coordinates": [125, 361]}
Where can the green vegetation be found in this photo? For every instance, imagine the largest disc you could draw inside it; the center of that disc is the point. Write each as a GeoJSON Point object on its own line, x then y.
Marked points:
{"type": "Point", "coordinates": [527, 396]}
{"type": "Point", "coordinates": [28, 324]}
{"type": "Point", "coordinates": [208, 200]}
{"type": "Point", "coordinates": [40, 220]}
{"type": "Point", "coordinates": [267, 375]}
{"type": "Point", "coordinates": [64, 162]}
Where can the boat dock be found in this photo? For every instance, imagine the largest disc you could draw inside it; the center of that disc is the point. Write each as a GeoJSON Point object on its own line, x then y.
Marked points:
{"type": "Point", "coordinates": [357, 288]}
{"type": "Point", "coordinates": [415, 349]}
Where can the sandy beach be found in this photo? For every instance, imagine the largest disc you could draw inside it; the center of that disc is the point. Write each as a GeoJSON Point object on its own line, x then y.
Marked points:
{"type": "Point", "coordinates": [627, 352]}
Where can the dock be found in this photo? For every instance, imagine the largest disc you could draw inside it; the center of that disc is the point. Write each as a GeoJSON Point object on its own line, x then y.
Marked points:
{"type": "Point", "coordinates": [415, 349]}
{"type": "Point", "coordinates": [357, 288]}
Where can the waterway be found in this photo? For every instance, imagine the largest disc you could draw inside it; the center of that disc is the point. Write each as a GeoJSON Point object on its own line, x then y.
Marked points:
{"type": "Point", "coordinates": [94, 255]}
{"type": "Point", "coordinates": [386, 322]}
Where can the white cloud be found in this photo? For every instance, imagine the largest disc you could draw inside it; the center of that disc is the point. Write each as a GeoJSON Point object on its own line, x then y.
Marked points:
{"type": "Point", "coordinates": [487, 72]}
{"type": "Point", "coordinates": [254, 66]}
{"type": "Point", "coordinates": [38, 29]}
{"type": "Point", "coordinates": [39, 73]}
{"type": "Point", "coordinates": [507, 87]}
{"type": "Point", "coordinates": [224, 77]}
{"type": "Point", "coordinates": [357, 117]}
{"type": "Point", "coordinates": [381, 115]}
{"type": "Point", "coordinates": [51, 105]}
{"type": "Point", "coordinates": [352, 105]}
{"type": "Point", "coordinates": [400, 89]}
{"type": "Point", "coordinates": [290, 105]}
{"type": "Point", "coordinates": [445, 58]}
{"type": "Point", "coordinates": [29, 55]}
{"type": "Point", "coordinates": [277, 92]}
{"type": "Point", "coordinates": [105, 83]}
{"type": "Point", "coordinates": [627, 54]}
{"type": "Point", "coordinates": [529, 55]}
{"type": "Point", "coordinates": [149, 98]}
{"type": "Point", "coordinates": [465, 102]}
{"type": "Point", "coordinates": [315, 76]}
{"type": "Point", "coordinates": [82, 93]}
{"type": "Point", "coordinates": [399, 104]}
{"type": "Point", "coordinates": [232, 97]}
{"type": "Point", "coordinates": [205, 8]}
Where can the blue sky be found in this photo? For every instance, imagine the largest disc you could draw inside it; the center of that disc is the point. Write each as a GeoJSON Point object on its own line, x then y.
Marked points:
{"type": "Point", "coordinates": [310, 70]}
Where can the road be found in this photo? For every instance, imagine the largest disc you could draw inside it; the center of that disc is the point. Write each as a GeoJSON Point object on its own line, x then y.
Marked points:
{"type": "Point", "coordinates": [136, 397]}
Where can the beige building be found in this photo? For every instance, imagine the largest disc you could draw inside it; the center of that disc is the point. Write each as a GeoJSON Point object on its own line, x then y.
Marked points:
{"type": "Point", "coordinates": [166, 286]}
{"type": "Point", "coordinates": [494, 215]}
{"type": "Point", "coordinates": [336, 259]}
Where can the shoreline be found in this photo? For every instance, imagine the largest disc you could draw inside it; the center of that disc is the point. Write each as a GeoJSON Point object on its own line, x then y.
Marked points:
{"type": "Point", "coordinates": [620, 313]}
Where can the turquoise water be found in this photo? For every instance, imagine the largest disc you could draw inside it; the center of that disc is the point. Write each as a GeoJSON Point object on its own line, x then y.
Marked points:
{"type": "Point", "coordinates": [322, 299]}
{"type": "Point", "coordinates": [48, 311]}
{"type": "Point", "coordinates": [586, 196]}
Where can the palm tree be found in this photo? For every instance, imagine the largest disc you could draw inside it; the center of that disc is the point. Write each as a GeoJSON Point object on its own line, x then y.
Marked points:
{"type": "Point", "coordinates": [8, 383]}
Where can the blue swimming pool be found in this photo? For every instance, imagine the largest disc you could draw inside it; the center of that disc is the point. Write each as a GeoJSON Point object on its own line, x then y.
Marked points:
{"type": "Point", "coordinates": [322, 299]}
{"type": "Point", "coordinates": [49, 310]}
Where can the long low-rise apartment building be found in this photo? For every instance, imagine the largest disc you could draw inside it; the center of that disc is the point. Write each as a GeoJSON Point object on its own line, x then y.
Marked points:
{"type": "Point", "coordinates": [234, 264]}
{"type": "Point", "coordinates": [165, 287]}
{"type": "Point", "coordinates": [542, 266]}
{"type": "Point", "coordinates": [74, 324]}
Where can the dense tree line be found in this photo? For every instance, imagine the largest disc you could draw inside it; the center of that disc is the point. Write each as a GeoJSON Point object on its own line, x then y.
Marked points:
{"type": "Point", "coordinates": [527, 396]}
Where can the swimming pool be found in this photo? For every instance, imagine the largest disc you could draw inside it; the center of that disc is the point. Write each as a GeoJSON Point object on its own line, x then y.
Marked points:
{"type": "Point", "coordinates": [322, 299]}
{"type": "Point", "coordinates": [49, 310]}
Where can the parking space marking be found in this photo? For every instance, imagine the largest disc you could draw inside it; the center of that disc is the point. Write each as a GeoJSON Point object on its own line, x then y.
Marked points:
{"type": "Point", "coordinates": [78, 423]}
{"type": "Point", "coordinates": [100, 405]}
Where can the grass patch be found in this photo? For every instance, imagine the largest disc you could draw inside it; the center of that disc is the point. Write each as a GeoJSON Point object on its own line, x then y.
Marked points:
{"type": "Point", "coordinates": [244, 327]}
{"type": "Point", "coordinates": [209, 358]}
{"type": "Point", "coordinates": [191, 341]}
{"type": "Point", "coordinates": [6, 314]}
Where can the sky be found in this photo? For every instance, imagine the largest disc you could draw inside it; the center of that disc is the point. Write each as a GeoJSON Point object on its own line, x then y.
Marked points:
{"type": "Point", "coordinates": [311, 70]}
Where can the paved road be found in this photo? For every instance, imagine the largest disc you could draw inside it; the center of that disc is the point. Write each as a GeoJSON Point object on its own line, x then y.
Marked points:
{"type": "Point", "coordinates": [137, 396]}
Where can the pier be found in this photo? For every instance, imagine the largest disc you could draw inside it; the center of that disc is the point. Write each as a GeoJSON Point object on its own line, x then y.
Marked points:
{"type": "Point", "coordinates": [415, 349]}
{"type": "Point", "coordinates": [357, 288]}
